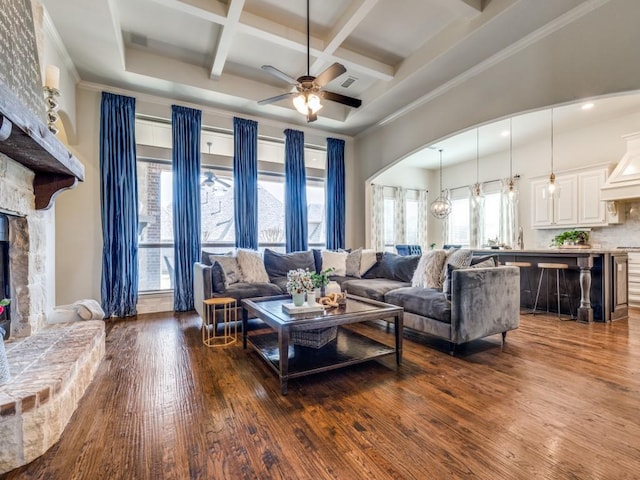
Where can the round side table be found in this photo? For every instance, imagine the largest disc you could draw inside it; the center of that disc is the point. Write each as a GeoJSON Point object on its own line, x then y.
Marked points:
{"type": "Point", "coordinates": [226, 307]}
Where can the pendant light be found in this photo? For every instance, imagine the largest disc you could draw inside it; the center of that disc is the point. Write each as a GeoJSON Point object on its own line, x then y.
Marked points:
{"type": "Point", "coordinates": [441, 206]}
{"type": "Point", "coordinates": [552, 178]}
{"type": "Point", "coordinates": [477, 187]}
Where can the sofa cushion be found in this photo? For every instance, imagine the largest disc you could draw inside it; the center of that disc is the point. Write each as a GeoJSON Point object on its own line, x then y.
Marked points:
{"type": "Point", "coordinates": [242, 290]}
{"type": "Point", "coordinates": [373, 288]}
{"type": "Point", "coordinates": [353, 263]}
{"type": "Point", "coordinates": [398, 267]}
{"type": "Point", "coordinates": [218, 281]}
{"type": "Point", "coordinates": [368, 258]}
{"type": "Point", "coordinates": [429, 269]}
{"type": "Point", "coordinates": [427, 302]}
{"type": "Point", "coordinates": [252, 266]}
{"type": "Point", "coordinates": [335, 260]}
{"type": "Point", "coordinates": [231, 267]}
{"type": "Point", "coordinates": [278, 264]}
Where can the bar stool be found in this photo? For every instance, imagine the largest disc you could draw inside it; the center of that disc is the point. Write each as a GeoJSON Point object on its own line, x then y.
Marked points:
{"type": "Point", "coordinates": [545, 267]}
{"type": "Point", "coordinates": [525, 266]}
{"type": "Point", "coordinates": [226, 307]}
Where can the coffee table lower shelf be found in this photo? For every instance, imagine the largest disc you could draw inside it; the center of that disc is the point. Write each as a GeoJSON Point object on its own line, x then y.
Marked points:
{"type": "Point", "coordinates": [348, 348]}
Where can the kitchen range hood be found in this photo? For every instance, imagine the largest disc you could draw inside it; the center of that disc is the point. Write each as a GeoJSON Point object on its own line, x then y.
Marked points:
{"type": "Point", "coordinates": [624, 181]}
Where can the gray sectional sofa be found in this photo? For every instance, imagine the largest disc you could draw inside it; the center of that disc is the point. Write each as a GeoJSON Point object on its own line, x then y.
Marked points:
{"type": "Point", "coordinates": [479, 301]}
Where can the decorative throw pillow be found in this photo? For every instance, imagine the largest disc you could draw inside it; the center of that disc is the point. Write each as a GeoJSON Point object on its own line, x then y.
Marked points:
{"type": "Point", "coordinates": [353, 263]}
{"type": "Point", "coordinates": [335, 260]}
{"type": "Point", "coordinates": [429, 268]}
{"type": "Point", "coordinates": [482, 262]}
{"type": "Point", "coordinates": [218, 280]}
{"type": "Point", "coordinates": [398, 267]}
{"type": "Point", "coordinates": [458, 257]}
{"type": "Point", "coordinates": [252, 266]}
{"type": "Point", "coordinates": [231, 268]}
{"type": "Point", "coordinates": [278, 264]}
{"type": "Point", "coordinates": [368, 259]}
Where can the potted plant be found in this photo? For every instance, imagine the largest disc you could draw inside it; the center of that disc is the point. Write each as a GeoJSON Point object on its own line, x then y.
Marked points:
{"type": "Point", "coordinates": [321, 280]}
{"type": "Point", "coordinates": [571, 237]}
{"type": "Point", "coordinates": [298, 284]}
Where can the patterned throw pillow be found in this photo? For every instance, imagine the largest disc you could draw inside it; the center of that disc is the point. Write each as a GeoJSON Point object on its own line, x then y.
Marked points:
{"type": "Point", "coordinates": [427, 274]}
{"type": "Point", "coordinates": [353, 263]}
{"type": "Point", "coordinates": [457, 257]}
{"type": "Point", "coordinates": [484, 262]}
{"type": "Point", "coordinates": [231, 268]}
{"type": "Point", "coordinates": [252, 266]}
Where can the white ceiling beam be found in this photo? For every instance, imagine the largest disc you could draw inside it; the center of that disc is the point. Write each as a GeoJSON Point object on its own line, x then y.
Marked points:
{"type": "Point", "coordinates": [349, 21]}
{"type": "Point", "coordinates": [117, 30]}
{"type": "Point", "coordinates": [225, 38]}
{"type": "Point", "coordinates": [211, 10]}
{"type": "Point", "coordinates": [466, 8]}
{"type": "Point", "coordinates": [295, 40]}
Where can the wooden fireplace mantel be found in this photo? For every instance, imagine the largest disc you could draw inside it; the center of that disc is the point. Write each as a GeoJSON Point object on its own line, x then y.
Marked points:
{"type": "Point", "coordinates": [26, 139]}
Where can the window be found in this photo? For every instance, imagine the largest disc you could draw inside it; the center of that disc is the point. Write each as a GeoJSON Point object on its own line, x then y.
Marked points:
{"type": "Point", "coordinates": [411, 216]}
{"type": "Point", "coordinates": [458, 220]}
{"type": "Point", "coordinates": [155, 193]}
{"type": "Point", "coordinates": [491, 217]}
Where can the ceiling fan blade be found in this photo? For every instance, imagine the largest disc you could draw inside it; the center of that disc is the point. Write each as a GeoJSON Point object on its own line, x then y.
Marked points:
{"type": "Point", "coordinates": [336, 97]}
{"type": "Point", "coordinates": [334, 71]}
{"type": "Point", "coordinates": [311, 117]}
{"type": "Point", "coordinates": [281, 75]}
{"type": "Point", "coordinates": [277, 98]}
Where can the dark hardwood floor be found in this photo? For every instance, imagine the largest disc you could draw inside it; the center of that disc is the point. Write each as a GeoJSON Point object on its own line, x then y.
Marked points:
{"type": "Point", "coordinates": [560, 401]}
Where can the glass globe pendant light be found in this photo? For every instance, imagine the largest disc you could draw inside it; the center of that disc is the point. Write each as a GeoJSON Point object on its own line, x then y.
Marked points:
{"type": "Point", "coordinates": [476, 197]}
{"type": "Point", "coordinates": [441, 206]}
{"type": "Point", "coordinates": [552, 178]}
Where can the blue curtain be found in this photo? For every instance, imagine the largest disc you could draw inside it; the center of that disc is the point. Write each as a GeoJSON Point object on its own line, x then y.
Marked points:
{"type": "Point", "coordinates": [335, 194]}
{"type": "Point", "coordinates": [118, 205]}
{"type": "Point", "coordinates": [185, 127]}
{"type": "Point", "coordinates": [295, 192]}
{"type": "Point", "coordinates": [245, 175]}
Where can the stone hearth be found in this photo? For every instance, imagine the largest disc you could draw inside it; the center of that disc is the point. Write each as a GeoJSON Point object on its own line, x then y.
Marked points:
{"type": "Point", "coordinates": [50, 372]}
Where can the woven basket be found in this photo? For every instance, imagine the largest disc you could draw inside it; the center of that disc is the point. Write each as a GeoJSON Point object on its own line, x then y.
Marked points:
{"type": "Point", "coordinates": [316, 338]}
{"type": "Point", "coordinates": [5, 376]}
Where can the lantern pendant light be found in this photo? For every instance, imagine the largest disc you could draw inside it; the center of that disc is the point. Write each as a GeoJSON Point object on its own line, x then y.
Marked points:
{"type": "Point", "coordinates": [441, 206]}
{"type": "Point", "coordinates": [552, 178]}
{"type": "Point", "coordinates": [477, 187]}
{"type": "Point", "coordinates": [512, 192]}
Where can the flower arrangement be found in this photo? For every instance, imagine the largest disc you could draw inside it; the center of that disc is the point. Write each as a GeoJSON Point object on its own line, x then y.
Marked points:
{"type": "Point", "coordinates": [321, 279]}
{"type": "Point", "coordinates": [3, 303]}
{"type": "Point", "coordinates": [299, 281]}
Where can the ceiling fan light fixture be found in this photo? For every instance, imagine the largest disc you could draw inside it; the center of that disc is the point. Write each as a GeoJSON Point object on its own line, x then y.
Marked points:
{"type": "Point", "coordinates": [306, 102]}
{"type": "Point", "coordinates": [300, 102]}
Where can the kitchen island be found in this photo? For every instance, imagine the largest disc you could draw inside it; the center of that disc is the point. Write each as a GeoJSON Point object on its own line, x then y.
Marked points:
{"type": "Point", "coordinates": [596, 279]}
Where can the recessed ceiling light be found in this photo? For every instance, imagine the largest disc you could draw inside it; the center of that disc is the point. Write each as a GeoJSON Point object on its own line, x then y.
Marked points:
{"type": "Point", "coordinates": [587, 106]}
{"type": "Point", "coordinates": [505, 133]}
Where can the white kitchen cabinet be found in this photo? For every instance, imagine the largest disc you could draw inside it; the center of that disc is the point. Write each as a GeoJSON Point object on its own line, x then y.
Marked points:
{"type": "Point", "coordinates": [591, 210]}
{"type": "Point", "coordinates": [575, 203]}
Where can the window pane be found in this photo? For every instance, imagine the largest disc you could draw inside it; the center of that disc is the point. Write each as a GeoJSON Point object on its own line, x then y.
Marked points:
{"type": "Point", "coordinates": [155, 198]}
{"type": "Point", "coordinates": [459, 222]}
{"type": "Point", "coordinates": [412, 221]}
{"type": "Point", "coordinates": [216, 207]}
{"type": "Point", "coordinates": [316, 212]}
{"type": "Point", "coordinates": [271, 210]}
{"type": "Point", "coordinates": [491, 217]}
{"type": "Point", "coordinates": [155, 266]}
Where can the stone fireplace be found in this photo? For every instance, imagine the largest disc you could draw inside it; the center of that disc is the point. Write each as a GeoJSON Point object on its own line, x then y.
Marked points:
{"type": "Point", "coordinates": [50, 365]}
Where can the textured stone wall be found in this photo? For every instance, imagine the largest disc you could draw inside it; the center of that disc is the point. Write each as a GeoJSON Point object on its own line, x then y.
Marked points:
{"type": "Point", "coordinates": [27, 236]}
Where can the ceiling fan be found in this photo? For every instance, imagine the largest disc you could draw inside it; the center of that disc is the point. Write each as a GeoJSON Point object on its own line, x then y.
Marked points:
{"type": "Point", "coordinates": [309, 90]}
{"type": "Point", "coordinates": [212, 181]}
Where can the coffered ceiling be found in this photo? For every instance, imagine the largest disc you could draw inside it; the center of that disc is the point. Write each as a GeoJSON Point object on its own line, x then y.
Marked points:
{"type": "Point", "coordinates": [398, 54]}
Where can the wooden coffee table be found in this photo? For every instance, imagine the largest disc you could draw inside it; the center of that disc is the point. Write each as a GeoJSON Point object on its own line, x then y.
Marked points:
{"type": "Point", "coordinates": [291, 361]}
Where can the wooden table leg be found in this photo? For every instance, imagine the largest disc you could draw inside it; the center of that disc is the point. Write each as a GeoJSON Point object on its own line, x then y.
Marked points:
{"type": "Point", "coordinates": [283, 342]}
{"type": "Point", "coordinates": [398, 329]}
{"type": "Point", "coordinates": [245, 321]}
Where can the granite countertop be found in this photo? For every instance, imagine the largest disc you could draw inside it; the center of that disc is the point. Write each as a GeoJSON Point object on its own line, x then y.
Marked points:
{"type": "Point", "coordinates": [556, 251]}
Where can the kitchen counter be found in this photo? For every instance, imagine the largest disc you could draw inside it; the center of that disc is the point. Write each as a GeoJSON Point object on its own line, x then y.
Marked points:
{"type": "Point", "coordinates": [596, 276]}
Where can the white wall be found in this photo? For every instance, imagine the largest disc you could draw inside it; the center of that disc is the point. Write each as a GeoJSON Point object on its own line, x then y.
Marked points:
{"type": "Point", "coordinates": [78, 224]}
{"type": "Point", "coordinates": [595, 55]}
